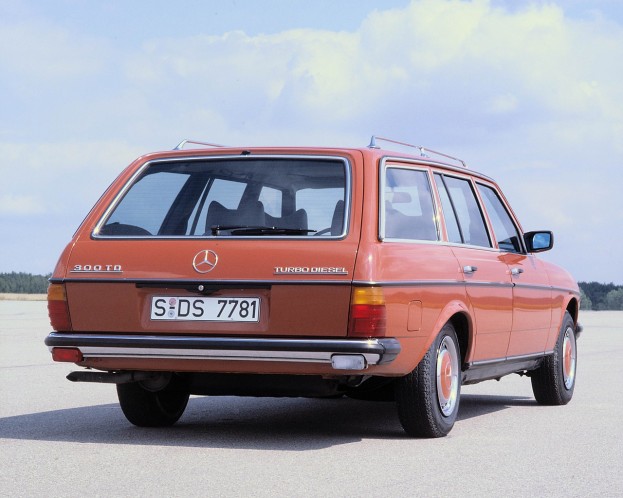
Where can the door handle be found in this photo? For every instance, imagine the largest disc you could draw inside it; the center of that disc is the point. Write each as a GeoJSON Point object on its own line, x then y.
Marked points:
{"type": "Point", "coordinates": [516, 271]}
{"type": "Point", "coordinates": [469, 269]}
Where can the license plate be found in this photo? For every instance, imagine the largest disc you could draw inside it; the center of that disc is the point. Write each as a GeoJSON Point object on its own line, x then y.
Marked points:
{"type": "Point", "coordinates": [206, 309]}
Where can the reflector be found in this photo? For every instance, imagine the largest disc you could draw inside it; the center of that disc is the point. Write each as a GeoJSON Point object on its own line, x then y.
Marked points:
{"type": "Point", "coordinates": [71, 355]}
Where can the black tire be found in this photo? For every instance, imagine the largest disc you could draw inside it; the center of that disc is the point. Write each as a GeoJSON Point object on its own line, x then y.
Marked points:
{"type": "Point", "coordinates": [428, 402]}
{"type": "Point", "coordinates": [553, 382]}
{"type": "Point", "coordinates": [146, 408]}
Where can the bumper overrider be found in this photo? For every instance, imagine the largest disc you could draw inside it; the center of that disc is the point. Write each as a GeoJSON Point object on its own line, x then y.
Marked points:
{"type": "Point", "coordinates": [342, 354]}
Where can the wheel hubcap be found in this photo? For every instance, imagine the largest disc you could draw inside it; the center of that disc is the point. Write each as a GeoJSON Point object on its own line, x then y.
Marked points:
{"type": "Point", "coordinates": [568, 358]}
{"type": "Point", "coordinates": [447, 376]}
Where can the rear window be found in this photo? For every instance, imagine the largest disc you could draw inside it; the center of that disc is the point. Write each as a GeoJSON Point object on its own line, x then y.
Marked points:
{"type": "Point", "coordinates": [269, 196]}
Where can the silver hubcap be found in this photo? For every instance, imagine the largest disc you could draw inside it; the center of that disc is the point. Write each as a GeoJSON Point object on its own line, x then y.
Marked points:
{"type": "Point", "coordinates": [568, 358]}
{"type": "Point", "coordinates": [447, 376]}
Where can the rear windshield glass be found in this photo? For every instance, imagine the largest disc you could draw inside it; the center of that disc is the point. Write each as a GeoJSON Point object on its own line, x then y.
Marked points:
{"type": "Point", "coordinates": [274, 197]}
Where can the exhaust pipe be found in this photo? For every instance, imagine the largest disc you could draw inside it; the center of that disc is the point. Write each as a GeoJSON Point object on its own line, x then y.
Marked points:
{"type": "Point", "coordinates": [112, 377]}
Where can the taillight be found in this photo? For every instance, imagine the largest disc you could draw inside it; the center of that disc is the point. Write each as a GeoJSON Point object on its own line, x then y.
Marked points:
{"type": "Point", "coordinates": [368, 316]}
{"type": "Point", "coordinates": [58, 310]}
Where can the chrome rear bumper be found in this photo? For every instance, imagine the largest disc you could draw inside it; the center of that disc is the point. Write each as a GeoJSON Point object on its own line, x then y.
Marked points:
{"type": "Point", "coordinates": [375, 351]}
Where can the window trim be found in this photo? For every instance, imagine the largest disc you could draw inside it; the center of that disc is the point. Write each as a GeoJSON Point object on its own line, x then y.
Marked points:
{"type": "Point", "coordinates": [348, 173]}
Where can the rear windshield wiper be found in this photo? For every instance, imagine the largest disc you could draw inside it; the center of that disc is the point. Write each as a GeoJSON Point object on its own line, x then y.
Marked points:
{"type": "Point", "coordinates": [258, 230]}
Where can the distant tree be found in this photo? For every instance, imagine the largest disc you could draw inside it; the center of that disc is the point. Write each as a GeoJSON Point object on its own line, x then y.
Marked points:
{"type": "Point", "coordinates": [597, 293]}
{"type": "Point", "coordinates": [23, 283]}
{"type": "Point", "coordinates": [614, 300]}
{"type": "Point", "coordinates": [585, 301]}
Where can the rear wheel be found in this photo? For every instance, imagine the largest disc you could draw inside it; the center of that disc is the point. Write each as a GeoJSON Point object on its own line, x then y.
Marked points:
{"type": "Point", "coordinates": [428, 397]}
{"type": "Point", "coordinates": [149, 408]}
{"type": "Point", "coordinates": [554, 381]}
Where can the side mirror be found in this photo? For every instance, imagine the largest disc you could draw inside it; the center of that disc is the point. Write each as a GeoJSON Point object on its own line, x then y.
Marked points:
{"type": "Point", "coordinates": [539, 241]}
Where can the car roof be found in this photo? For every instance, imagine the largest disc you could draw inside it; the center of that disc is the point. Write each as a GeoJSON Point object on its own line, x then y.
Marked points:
{"type": "Point", "coordinates": [371, 152]}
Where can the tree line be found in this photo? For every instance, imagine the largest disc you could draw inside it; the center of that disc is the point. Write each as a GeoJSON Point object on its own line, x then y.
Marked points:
{"type": "Point", "coordinates": [594, 295]}
{"type": "Point", "coordinates": [598, 296]}
{"type": "Point", "coordinates": [23, 283]}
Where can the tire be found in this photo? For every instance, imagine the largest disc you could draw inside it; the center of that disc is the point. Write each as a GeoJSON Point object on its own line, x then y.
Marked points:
{"type": "Point", "coordinates": [145, 408]}
{"type": "Point", "coordinates": [553, 382]}
{"type": "Point", "coordinates": [428, 398]}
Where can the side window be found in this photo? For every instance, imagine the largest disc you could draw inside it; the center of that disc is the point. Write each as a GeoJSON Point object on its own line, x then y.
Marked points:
{"type": "Point", "coordinates": [224, 193]}
{"type": "Point", "coordinates": [465, 211]}
{"type": "Point", "coordinates": [408, 211]}
{"type": "Point", "coordinates": [146, 205]}
{"type": "Point", "coordinates": [506, 233]}
{"type": "Point", "coordinates": [271, 199]}
{"type": "Point", "coordinates": [452, 224]}
{"type": "Point", "coordinates": [323, 207]}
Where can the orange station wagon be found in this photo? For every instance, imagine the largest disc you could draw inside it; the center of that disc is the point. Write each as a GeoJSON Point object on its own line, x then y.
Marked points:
{"type": "Point", "coordinates": [317, 272]}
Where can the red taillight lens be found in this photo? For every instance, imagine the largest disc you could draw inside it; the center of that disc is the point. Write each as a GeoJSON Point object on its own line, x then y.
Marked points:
{"type": "Point", "coordinates": [368, 315]}
{"type": "Point", "coordinates": [71, 355]}
{"type": "Point", "coordinates": [58, 310]}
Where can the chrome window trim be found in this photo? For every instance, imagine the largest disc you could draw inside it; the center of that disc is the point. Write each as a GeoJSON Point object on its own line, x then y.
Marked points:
{"type": "Point", "coordinates": [348, 169]}
{"type": "Point", "coordinates": [470, 173]}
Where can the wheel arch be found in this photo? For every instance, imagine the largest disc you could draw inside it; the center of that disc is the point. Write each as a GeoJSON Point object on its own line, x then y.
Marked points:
{"type": "Point", "coordinates": [573, 307]}
{"type": "Point", "coordinates": [458, 315]}
{"type": "Point", "coordinates": [462, 327]}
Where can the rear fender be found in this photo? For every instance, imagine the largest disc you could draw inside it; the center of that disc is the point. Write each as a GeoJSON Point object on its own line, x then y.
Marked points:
{"type": "Point", "coordinates": [451, 310]}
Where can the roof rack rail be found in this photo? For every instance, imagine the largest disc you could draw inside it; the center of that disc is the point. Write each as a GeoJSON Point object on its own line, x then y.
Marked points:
{"type": "Point", "coordinates": [423, 150]}
{"type": "Point", "coordinates": [181, 145]}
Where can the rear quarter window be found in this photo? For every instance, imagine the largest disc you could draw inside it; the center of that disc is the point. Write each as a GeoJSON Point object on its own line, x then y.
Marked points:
{"type": "Point", "coordinates": [407, 207]}
{"type": "Point", "coordinates": [146, 204]}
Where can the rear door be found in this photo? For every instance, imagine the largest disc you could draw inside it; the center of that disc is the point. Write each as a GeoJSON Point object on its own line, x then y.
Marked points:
{"type": "Point", "coordinates": [239, 245]}
{"type": "Point", "coordinates": [487, 281]}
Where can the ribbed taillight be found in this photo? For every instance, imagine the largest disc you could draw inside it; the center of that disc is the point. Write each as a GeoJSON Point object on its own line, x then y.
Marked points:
{"type": "Point", "coordinates": [368, 316]}
{"type": "Point", "coordinates": [58, 310]}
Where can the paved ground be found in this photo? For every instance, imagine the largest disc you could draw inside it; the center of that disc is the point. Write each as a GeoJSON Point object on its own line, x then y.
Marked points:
{"type": "Point", "coordinates": [64, 439]}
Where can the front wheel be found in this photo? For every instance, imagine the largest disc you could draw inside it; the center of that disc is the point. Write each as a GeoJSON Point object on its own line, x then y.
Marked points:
{"type": "Point", "coordinates": [428, 397]}
{"type": "Point", "coordinates": [147, 408]}
{"type": "Point", "coordinates": [554, 381]}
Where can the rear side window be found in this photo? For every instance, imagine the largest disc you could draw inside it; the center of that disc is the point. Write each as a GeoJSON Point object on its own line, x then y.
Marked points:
{"type": "Point", "coordinates": [267, 196]}
{"type": "Point", "coordinates": [407, 206]}
{"type": "Point", "coordinates": [146, 204]}
{"type": "Point", "coordinates": [506, 233]}
{"type": "Point", "coordinates": [464, 219]}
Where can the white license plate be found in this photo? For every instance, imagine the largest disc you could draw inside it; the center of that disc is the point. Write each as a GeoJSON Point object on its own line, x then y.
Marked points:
{"type": "Point", "coordinates": [206, 309]}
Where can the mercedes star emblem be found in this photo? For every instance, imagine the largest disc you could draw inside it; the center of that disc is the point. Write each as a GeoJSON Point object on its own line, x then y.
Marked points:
{"type": "Point", "coordinates": [205, 261]}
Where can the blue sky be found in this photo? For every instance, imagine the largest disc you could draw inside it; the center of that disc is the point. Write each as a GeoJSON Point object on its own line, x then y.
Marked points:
{"type": "Point", "coordinates": [529, 93]}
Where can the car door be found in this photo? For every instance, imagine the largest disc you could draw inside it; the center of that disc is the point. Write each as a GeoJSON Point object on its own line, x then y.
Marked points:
{"type": "Point", "coordinates": [484, 271]}
{"type": "Point", "coordinates": [532, 294]}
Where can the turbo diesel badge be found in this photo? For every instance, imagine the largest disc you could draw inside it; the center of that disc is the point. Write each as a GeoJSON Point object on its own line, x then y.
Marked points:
{"type": "Point", "coordinates": [310, 270]}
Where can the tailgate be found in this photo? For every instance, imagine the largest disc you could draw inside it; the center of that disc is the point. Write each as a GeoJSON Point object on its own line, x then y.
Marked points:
{"type": "Point", "coordinates": [254, 288]}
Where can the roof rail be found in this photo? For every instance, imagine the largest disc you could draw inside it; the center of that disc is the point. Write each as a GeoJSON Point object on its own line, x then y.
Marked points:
{"type": "Point", "coordinates": [181, 145]}
{"type": "Point", "coordinates": [423, 151]}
